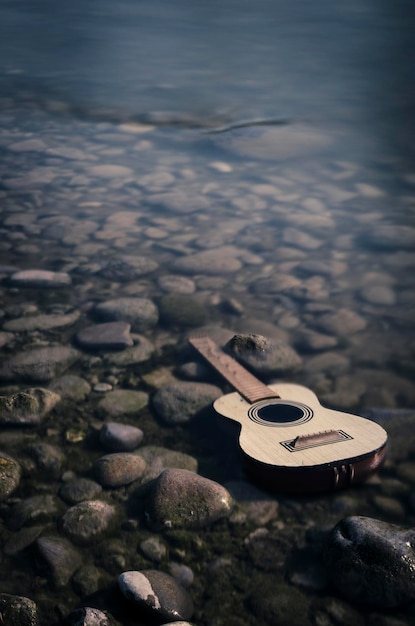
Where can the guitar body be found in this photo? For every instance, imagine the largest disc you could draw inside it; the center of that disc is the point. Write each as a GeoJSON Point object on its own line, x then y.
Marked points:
{"type": "Point", "coordinates": [293, 444]}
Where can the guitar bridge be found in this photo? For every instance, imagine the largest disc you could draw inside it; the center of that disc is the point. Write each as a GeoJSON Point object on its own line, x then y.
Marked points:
{"type": "Point", "coordinates": [325, 437]}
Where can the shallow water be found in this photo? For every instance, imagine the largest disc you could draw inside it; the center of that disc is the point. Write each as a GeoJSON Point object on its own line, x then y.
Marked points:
{"type": "Point", "coordinates": [275, 140]}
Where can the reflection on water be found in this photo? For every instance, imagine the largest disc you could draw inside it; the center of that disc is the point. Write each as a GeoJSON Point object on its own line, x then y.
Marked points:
{"type": "Point", "coordinates": [244, 166]}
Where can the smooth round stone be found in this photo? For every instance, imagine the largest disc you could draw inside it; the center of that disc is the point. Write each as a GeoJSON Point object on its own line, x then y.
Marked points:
{"type": "Point", "coordinates": [214, 262]}
{"type": "Point", "coordinates": [314, 342]}
{"type": "Point", "coordinates": [273, 142]}
{"type": "Point", "coordinates": [59, 558]}
{"type": "Point", "coordinates": [72, 387]}
{"type": "Point", "coordinates": [179, 201]}
{"type": "Point", "coordinates": [120, 437]}
{"type": "Point", "coordinates": [34, 510]}
{"type": "Point", "coordinates": [18, 611]}
{"type": "Point", "coordinates": [48, 458]}
{"type": "Point", "coordinates": [378, 294]}
{"type": "Point", "coordinates": [154, 549]}
{"type": "Point", "coordinates": [258, 506]}
{"type": "Point", "coordinates": [118, 469]}
{"type": "Point", "coordinates": [5, 338]}
{"type": "Point", "coordinates": [40, 279]}
{"type": "Point", "coordinates": [176, 284]}
{"type": "Point", "coordinates": [178, 402]}
{"type": "Point", "coordinates": [157, 593]}
{"type": "Point", "coordinates": [88, 616]}
{"type": "Point", "coordinates": [126, 268]}
{"type": "Point", "coordinates": [372, 562]}
{"type": "Point", "coordinates": [88, 522]}
{"type": "Point", "coordinates": [391, 237]}
{"type": "Point", "coordinates": [141, 313]}
{"type": "Point", "coordinates": [41, 322]}
{"type": "Point", "coordinates": [109, 336]}
{"type": "Point", "coordinates": [158, 459]}
{"type": "Point", "coordinates": [27, 407]}
{"type": "Point", "coordinates": [141, 351]}
{"type": "Point", "coordinates": [263, 356]}
{"type": "Point", "coordinates": [79, 489]}
{"type": "Point", "coordinates": [181, 310]}
{"type": "Point", "coordinates": [182, 499]}
{"type": "Point", "coordinates": [122, 402]}
{"type": "Point", "coordinates": [10, 473]}
{"type": "Point", "coordinates": [341, 323]}
{"type": "Point", "coordinates": [182, 573]}
{"type": "Point", "coordinates": [110, 171]}
{"type": "Point", "coordinates": [39, 364]}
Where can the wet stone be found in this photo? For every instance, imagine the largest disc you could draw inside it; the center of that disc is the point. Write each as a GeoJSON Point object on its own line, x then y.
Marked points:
{"type": "Point", "coordinates": [79, 489]}
{"type": "Point", "coordinates": [118, 469]}
{"type": "Point", "coordinates": [120, 437]}
{"type": "Point", "coordinates": [39, 364]}
{"type": "Point", "coordinates": [141, 351]}
{"type": "Point", "coordinates": [181, 310]}
{"type": "Point", "coordinates": [378, 294]}
{"type": "Point", "coordinates": [258, 506]}
{"type": "Point", "coordinates": [122, 402]}
{"type": "Point", "coordinates": [10, 473]}
{"type": "Point", "coordinates": [127, 268]}
{"type": "Point", "coordinates": [314, 342]}
{"type": "Point", "coordinates": [41, 322]}
{"type": "Point", "coordinates": [156, 593]}
{"type": "Point", "coordinates": [40, 279]}
{"type": "Point", "coordinates": [391, 237]}
{"type": "Point", "coordinates": [182, 573]}
{"type": "Point", "coordinates": [18, 610]}
{"type": "Point", "coordinates": [372, 562]}
{"type": "Point", "coordinates": [27, 407]}
{"type": "Point", "coordinates": [5, 337]}
{"type": "Point", "coordinates": [179, 402]}
{"type": "Point", "coordinates": [278, 603]}
{"type": "Point", "coordinates": [176, 284]}
{"type": "Point", "coordinates": [182, 499]}
{"type": "Point", "coordinates": [158, 459]}
{"type": "Point", "coordinates": [34, 510]}
{"type": "Point", "coordinates": [154, 549]}
{"type": "Point", "coordinates": [214, 262]}
{"type": "Point", "coordinates": [47, 458]}
{"type": "Point", "coordinates": [140, 313]}
{"type": "Point", "coordinates": [21, 539]}
{"type": "Point", "coordinates": [341, 323]}
{"type": "Point", "coordinates": [109, 336]}
{"type": "Point", "coordinates": [88, 522]}
{"type": "Point", "coordinates": [88, 616]}
{"type": "Point", "coordinates": [59, 558]}
{"type": "Point", "coordinates": [72, 387]}
{"type": "Point", "coordinates": [264, 356]}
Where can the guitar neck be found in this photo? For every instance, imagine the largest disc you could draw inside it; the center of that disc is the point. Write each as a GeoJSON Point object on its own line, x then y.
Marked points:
{"type": "Point", "coordinates": [243, 381]}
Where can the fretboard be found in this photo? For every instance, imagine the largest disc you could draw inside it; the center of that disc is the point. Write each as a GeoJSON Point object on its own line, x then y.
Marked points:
{"type": "Point", "coordinates": [243, 381]}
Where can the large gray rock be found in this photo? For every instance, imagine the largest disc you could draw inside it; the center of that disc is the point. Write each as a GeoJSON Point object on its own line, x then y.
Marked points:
{"type": "Point", "coordinates": [263, 356]}
{"type": "Point", "coordinates": [156, 593]}
{"type": "Point", "coordinates": [18, 610]}
{"type": "Point", "coordinates": [40, 279]}
{"type": "Point", "coordinates": [88, 522]}
{"type": "Point", "coordinates": [39, 364]}
{"type": "Point", "coordinates": [182, 499]}
{"type": "Point", "coordinates": [141, 313]}
{"type": "Point", "coordinates": [27, 407]}
{"type": "Point", "coordinates": [10, 473]}
{"type": "Point", "coordinates": [372, 562]}
{"type": "Point", "coordinates": [179, 402]}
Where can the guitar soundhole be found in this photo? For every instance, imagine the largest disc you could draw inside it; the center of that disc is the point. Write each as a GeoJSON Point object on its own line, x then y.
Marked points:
{"type": "Point", "coordinates": [279, 413]}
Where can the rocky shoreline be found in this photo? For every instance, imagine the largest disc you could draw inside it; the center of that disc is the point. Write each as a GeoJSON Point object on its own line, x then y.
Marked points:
{"type": "Point", "coordinates": [122, 497]}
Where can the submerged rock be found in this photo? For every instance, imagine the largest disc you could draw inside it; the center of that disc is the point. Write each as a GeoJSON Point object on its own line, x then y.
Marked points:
{"type": "Point", "coordinates": [88, 522]}
{"type": "Point", "coordinates": [141, 313]}
{"type": "Point", "coordinates": [40, 279]}
{"type": "Point", "coordinates": [263, 356]}
{"type": "Point", "coordinates": [109, 336]}
{"type": "Point", "coordinates": [39, 364]}
{"type": "Point", "coordinates": [182, 499]}
{"type": "Point", "coordinates": [18, 610]}
{"type": "Point", "coordinates": [372, 562]}
{"type": "Point", "coordinates": [27, 407]}
{"type": "Point", "coordinates": [60, 559]}
{"type": "Point", "coordinates": [179, 402]}
{"type": "Point", "coordinates": [120, 437]}
{"type": "Point", "coordinates": [157, 593]}
{"type": "Point", "coordinates": [10, 473]}
{"type": "Point", "coordinates": [119, 468]}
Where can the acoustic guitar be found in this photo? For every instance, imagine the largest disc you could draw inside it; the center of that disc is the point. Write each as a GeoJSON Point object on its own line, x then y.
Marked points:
{"type": "Point", "coordinates": [289, 442]}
